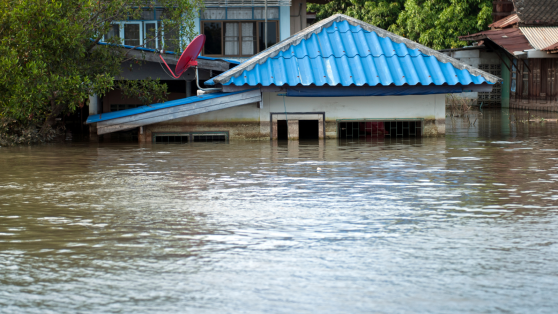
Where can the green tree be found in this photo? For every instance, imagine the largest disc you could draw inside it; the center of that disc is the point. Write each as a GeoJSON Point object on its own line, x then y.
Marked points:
{"type": "Point", "coordinates": [433, 23]}
{"type": "Point", "coordinates": [438, 23]}
{"type": "Point", "coordinates": [51, 61]}
{"type": "Point", "coordinates": [380, 13]}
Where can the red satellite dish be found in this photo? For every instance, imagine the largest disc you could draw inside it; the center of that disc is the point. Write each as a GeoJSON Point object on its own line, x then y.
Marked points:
{"type": "Point", "coordinates": [188, 57]}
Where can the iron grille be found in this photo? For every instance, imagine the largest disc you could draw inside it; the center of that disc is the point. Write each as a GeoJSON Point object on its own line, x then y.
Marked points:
{"type": "Point", "coordinates": [494, 97]}
{"type": "Point", "coordinates": [190, 137]}
{"type": "Point", "coordinates": [371, 129]}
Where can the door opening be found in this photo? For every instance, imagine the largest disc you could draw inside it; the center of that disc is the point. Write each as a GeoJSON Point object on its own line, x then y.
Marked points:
{"type": "Point", "coordinates": [282, 130]}
{"type": "Point", "coordinates": [308, 129]}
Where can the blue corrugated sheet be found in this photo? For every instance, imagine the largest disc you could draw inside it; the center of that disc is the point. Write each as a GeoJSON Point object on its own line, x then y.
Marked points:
{"type": "Point", "coordinates": [170, 53]}
{"type": "Point", "coordinates": [153, 107]}
{"type": "Point", "coordinates": [346, 91]}
{"type": "Point", "coordinates": [348, 55]}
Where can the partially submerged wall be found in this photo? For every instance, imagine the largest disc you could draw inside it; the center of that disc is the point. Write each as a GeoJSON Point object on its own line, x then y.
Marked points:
{"type": "Point", "coordinates": [251, 122]}
{"type": "Point", "coordinates": [431, 108]}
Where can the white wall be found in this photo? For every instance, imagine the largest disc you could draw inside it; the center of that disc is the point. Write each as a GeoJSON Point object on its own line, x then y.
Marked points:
{"type": "Point", "coordinates": [429, 107]}
{"type": "Point", "coordinates": [384, 107]}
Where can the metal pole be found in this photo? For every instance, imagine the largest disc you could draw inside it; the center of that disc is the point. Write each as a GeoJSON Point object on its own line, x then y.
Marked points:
{"type": "Point", "coordinates": [265, 25]}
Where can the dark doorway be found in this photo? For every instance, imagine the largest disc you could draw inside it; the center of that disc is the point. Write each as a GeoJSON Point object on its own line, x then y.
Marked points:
{"type": "Point", "coordinates": [308, 130]}
{"type": "Point", "coordinates": [282, 130]}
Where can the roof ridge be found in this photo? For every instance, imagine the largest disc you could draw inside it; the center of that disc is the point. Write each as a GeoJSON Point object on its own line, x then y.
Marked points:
{"type": "Point", "coordinates": [306, 33]}
{"type": "Point", "coordinates": [353, 56]}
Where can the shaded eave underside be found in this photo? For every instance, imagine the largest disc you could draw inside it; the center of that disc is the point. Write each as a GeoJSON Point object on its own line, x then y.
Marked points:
{"type": "Point", "coordinates": [306, 33]}
{"type": "Point", "coordinates": [354, 85]}
{"type": "Point", "coordinates": [514, 39]}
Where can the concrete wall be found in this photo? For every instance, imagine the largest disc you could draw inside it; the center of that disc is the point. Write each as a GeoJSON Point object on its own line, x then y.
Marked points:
{"type": "Point", "coordinates": [251, 122]}
{"type": "Point", "coordinates": [428, 107]}
{"type": "Point", "coordinates": [298, 16]}
{"type": "Point", "coordinates": [474, 58]}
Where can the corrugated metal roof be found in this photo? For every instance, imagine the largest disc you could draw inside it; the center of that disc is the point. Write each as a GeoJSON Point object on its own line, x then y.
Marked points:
{"type": "Point", "coordinates": [344, 51]}
{"type": "Point", "coordinates": [541, 37]}
{"type": "Point", "coordinates": [552, 48]}
{"type": "Point", "coordinates": [511, 39]}
{"type": "Point", "coordinates": [153, 107]}
{"type": "Point", "coordinates": [507, 21]}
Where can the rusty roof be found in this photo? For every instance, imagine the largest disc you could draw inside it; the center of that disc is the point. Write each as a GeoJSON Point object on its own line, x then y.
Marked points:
{"type": "Point", "coordinates": [552, 48]}
{"type": "Point", "coordinates": [541, 37]}
{"type": "Point", "coordinates": [511, 39]}
{"type": "Point", "coordinates": [507, 21]}
{"type": "Point", "coordinates": [537, 12]}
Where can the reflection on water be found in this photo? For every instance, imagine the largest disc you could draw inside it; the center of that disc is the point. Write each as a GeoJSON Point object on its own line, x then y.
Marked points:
{"type": "Point", "coordinates": [467, 223]}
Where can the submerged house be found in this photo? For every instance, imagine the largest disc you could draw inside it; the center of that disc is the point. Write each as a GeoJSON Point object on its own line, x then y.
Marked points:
{"type": "Point", "coordinates": [524, 38]}
{"type": "Point", "coordinates": [339, 78]}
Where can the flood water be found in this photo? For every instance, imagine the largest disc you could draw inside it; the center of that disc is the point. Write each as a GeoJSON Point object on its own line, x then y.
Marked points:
{"type": "Point", "coordinates": [462, 224]}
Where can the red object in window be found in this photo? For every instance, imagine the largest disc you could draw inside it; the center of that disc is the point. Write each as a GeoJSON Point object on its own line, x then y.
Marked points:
{"type": "Point", "coordinates": [188, 57]}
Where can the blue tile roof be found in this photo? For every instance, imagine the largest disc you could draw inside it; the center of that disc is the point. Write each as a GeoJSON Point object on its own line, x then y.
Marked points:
{"type": "Point", "coordinates": [344, 51]}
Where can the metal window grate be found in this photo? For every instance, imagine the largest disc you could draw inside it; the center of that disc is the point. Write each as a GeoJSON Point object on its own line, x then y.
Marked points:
{"type": "Point", "coordinates": [178, 139]}
{"type": "Point", "coordinates": [190, 137]}
{"type": "Point", "coordinates": [494, 97]}
{"type": "Point", "coordinates": [375, 129]}
{"type": "Point", "coordinates": [210, 138]}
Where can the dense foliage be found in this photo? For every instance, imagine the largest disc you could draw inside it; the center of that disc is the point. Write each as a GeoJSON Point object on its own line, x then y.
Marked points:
{"type": "Point", "coordinates": [50, 59]}
{"type": "Point", "coordinates": [433, 23]}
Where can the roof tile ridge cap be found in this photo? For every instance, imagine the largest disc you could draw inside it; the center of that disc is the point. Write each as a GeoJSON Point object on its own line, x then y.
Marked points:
{"type": "Point", "coordinates": [428, 51]}
{"type": "Point", "coordinates": [263, 56]}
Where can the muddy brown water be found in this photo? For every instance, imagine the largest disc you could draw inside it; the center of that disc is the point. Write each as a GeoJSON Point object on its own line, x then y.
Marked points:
{"type": "Point", "coordinates": [467, 223]}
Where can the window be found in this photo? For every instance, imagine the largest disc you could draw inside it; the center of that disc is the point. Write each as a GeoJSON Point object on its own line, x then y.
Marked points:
{"type": "Point", "coordinates": [171, 40]}
{"type": "Point", "coordinates": [232, 32]}
{"type": "Point", "coordinates": [238, 39]}
{"type": "Point", "coordinates": [113, 32]}
{"type": "Point", "coordinates": [213, 33]}
{"type": "Point", "coordinates": [271, 36]}
{"type": "Point", "coordinates": [143, 30]}
{"type": "Point", "coordinates": [132, 34]}
{"type": "Point", "coordinates": [150, 32]}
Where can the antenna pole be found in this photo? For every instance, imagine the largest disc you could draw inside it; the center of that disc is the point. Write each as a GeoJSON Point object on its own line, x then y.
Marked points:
{"type": "Point", "coordinates": [198, 83]}
{"type": "Point", "coordinates": [265, 25]}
